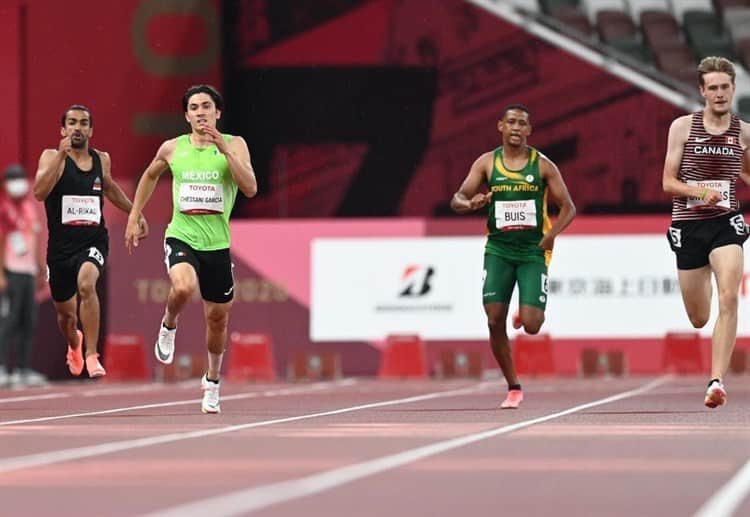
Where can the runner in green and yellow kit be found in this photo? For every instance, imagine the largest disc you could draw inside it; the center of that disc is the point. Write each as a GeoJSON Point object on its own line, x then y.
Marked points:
{"type": "Point", "coordinates": [520, 235]}
{"type": "Point", "coordinates": [207, 170]}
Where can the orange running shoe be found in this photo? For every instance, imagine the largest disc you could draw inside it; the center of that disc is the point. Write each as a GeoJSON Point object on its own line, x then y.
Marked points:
{"type": "Point", "coordinates": [94, 367]}
{"type": "Point", "coordinates": [513, 400]}
{"type": "Point", "coordinates": [716, 395]}
{"type": "Point", "coordinates": [516, 320]}
{"type": "Point", "coordinates": [75, 356]}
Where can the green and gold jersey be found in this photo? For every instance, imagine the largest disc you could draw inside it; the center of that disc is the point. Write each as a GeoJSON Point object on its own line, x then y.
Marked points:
{"type": "Point", "coordinates": [203, 194]}
{"type": "Point", "coordinates": [517, 218]}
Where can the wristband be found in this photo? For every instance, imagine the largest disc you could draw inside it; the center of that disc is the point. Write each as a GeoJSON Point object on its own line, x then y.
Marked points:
{"type": "Point", "coordinates": [703, 194]}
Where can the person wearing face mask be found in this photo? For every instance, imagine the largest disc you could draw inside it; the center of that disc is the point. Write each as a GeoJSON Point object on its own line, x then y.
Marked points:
{"type": "Point", "coordinates": [19, 278]}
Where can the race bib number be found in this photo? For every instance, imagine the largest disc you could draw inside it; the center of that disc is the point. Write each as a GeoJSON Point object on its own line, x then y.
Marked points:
{"type": "Point", "coordinates": [201, 198]}
{"type": "Point", "coordinates": [81, 210]}
{"type": "Point", "coordinates": [515, 215]}
{"type": "Point", "coordinates": [721, 186]}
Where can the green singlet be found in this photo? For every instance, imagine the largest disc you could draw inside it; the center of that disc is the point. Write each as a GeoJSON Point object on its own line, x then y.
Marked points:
{"type": "Point", "coordinates": [203, 194]}
{"type": "Point", "coordinates": [516, 223]}
{"type": "Point", "coordinates": [517, 218]}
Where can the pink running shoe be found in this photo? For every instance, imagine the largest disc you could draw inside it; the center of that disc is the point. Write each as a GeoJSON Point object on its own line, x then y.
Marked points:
{"type": "Point", "coordinates": [716, 395]}
{"type": "Point", "coordinates": [513, 400]}
{"type": "Point", "coordinates": [516, 320]}
{"type": "Point", "coordinates": [75, 356]}
{"type": "Point", "coordinates": [94, 367]}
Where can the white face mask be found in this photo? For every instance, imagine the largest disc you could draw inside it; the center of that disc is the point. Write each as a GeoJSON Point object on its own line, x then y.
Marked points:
{"type": "Point", "coordinates": [17, 187]}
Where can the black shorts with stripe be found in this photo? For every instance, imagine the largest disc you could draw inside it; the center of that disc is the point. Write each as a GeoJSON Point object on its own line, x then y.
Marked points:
{"type": "Point", "coordinates": [693, 241]}
{"type": "Point", "coordinates": [213, 268]}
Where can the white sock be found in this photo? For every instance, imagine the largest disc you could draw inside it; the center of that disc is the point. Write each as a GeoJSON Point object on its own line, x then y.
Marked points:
{"type": "Point", "coordinates": [214, 365]}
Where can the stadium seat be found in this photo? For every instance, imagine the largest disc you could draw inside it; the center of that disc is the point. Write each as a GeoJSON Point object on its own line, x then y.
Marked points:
{"type": "Point", "coordinates": [676, 61]}
{"type": "Point", "coordinates": [575, 19]}
{"type": "Point", "coordinates": [592, 8]}
{"type": "Point", "coordinates": [722, 5]}
{"type": "Point", "coordinates": [659, 28]}
{"type": "Point", "coordinates": [550, 6]}
{"type": "Point", "coordinates": [680, 7]}
{"type": "Point", "coordinates": [615, 26]}
{"type": "Point", "coordinates": [737, 22]}
{"type": "Point", "coordinates": [637, 7]}
{"type": "Point", "coordinates": [743, 51]}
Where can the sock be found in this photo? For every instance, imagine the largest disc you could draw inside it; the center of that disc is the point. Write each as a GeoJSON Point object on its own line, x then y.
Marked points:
{"type": "Point", "coordinates": [214, 366]}
{"type": "Point", "coordinates": [211, 380]}
{"type": "Point", "coordinates": [165, 326]}
{"type": "Point", "coordinates": [712, 381]}
{"type": "Point", "coordinates": [514, 387]}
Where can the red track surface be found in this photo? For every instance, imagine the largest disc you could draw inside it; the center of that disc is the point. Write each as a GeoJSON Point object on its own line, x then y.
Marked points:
{"type": "Point", "coordinates": [655, 452]}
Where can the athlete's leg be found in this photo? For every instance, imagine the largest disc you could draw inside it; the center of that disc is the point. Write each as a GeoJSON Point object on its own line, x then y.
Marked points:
{"type": "Point", "coordinates": [88, 276]}
{"type": "Point", "coordinates": [497, 314]}
{"type": "Point", "coordinates": [217, 319]}
{"type": "Point", "coordinates": [532, 295]}
{"type": "Point", "coordinates": [695, 285]}
{"type": "Point", "coordinates": [184, 280]}
{"type": "Point", "coordinates": [67, 321]}
{"type": "Point", "coordinates": [727, 263]}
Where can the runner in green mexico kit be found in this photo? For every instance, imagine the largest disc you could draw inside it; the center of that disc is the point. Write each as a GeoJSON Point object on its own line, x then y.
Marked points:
{"type": "Point", "coordinates": [520, 235]}
{"type": "Point", "coordinates": [207, 170]}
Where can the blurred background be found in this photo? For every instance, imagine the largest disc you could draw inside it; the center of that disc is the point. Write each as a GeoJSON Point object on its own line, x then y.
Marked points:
{"type": "Point", "coordinates": [362, 118]}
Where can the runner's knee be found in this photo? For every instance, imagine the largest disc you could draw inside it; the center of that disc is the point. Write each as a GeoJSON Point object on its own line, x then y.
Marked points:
{"type": "Point", "coordinates": [183, 287]}
{"type": "Point", "coordinates": [728, 301]}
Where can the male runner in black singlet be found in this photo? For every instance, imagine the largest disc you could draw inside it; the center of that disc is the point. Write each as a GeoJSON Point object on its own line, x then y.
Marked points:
{"type": "Point", "coordinates": [706, 152]}
{"type": "Point", "coordinates": [72, 180]}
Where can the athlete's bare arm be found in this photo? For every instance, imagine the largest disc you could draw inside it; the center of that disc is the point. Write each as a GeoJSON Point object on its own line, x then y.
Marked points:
{"type": "Point", "coordinates": [145, 189]}
{"type": "Point", "coordinates": [238, 159]}
{"type": "Point", "coordinates": [745, 142]}
{"type": "Point", "coordinates": [549, 172]}
{"type": "Point", "coordinates": [115, 194]}
{"type": "Point", "coordinates": [679, 132]}
{"type": "Point", "coordinates": [50, 169]}
{"type": "Point", "coordinates": [469, 198]}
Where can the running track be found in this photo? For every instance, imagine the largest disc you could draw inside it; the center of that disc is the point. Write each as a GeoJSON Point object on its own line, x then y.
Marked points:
{"type": "Point", "coordinates": [625, 447]}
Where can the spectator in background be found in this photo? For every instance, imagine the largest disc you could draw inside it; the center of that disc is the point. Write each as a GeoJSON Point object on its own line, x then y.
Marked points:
{"type": "Point", "coordinates": [19, 278]}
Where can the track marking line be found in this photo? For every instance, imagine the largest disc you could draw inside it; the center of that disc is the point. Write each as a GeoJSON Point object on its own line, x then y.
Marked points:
{"type": "Point", "coordinates": [59, 456]}
{"type": "Point", "coordinates": [238, 396]}
{"type": "Point", "coordinates": [256, 498]}
{"type": "Point", "coordinates": [729, 497]}
{"type": "Point", "coordinates": [27, 398]}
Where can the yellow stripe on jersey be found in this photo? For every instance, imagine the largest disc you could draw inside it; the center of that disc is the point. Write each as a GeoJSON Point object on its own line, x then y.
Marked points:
{"type": "Point", "coordinates": [510, 174]}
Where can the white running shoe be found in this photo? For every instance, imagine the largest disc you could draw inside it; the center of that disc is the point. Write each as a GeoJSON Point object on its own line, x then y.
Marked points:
{"type": "Point", "coordinates": [164, 347]}
{"type": "Point", "coordinates": [716, 395]}
{"type": "Point", "coordinates": [210, 403]}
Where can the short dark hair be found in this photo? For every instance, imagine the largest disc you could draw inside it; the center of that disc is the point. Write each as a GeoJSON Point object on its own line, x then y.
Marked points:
{"type": "Point", "coordinates": [203, 88]}
{"type": "Point", "coordinates": [519, 107]}
{"type": "Point", "coordinates": [77, 107]}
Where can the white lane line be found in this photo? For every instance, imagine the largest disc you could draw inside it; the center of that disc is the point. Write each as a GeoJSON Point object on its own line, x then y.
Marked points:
{"type": "Point", "coordinates": [248, 500]}
{"type": "Point", "coordinates": [49, 458]}
{"type": "Point", "coordinates": [239, 396]}
{"type": "Point", "coordinates": [728, 498]}
{"type": "Point", "coordinates": [27, 398]}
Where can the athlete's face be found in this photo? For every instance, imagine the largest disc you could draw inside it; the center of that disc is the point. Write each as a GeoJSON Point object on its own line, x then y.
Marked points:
{"type": "Point", "coordinates": [78, 128]}
{"type": "Point", "coordinates": [515, 127]}
{"type": "Point", "coordinates": [718, 90]}
{"type": "Point", "coordinates": [201, 112]}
